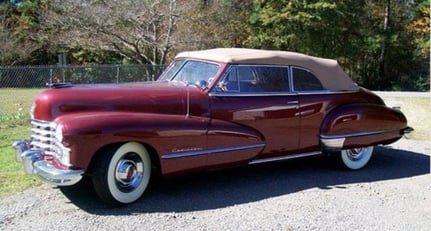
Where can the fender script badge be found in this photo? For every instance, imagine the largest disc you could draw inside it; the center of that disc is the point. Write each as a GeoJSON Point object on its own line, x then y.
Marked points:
{"type": "Point", "coordinates": [186, 149]}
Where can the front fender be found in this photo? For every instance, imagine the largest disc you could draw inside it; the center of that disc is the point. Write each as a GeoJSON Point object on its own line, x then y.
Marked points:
{"type": "Point", "coordinates": [86, 133]}
{"type": "Point", "coordinates": [359, 125]}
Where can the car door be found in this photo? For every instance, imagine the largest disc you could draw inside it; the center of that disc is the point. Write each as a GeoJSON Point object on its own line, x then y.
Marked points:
{"type": "Point", "coordinates": [313, 103]}
{"type": "Point", "coordinates": [253, 114]}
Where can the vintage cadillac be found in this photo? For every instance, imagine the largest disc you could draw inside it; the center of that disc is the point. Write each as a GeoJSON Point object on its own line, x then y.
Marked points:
{"type": "Point", "coordinates": [209, 109]}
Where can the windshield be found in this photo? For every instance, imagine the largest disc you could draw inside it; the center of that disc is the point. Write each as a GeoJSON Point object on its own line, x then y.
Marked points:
{"type": "Point", "coordinates": [190, 71]}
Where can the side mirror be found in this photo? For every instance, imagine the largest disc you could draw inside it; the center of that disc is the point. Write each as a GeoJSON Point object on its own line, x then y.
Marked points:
{"type": "Point", "coordinates": [202, 84]}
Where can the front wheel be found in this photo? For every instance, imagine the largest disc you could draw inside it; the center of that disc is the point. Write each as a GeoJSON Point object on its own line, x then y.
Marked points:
{"type": "Point", "coordinates": [121, 174]}
{"type": "Point", "coordinates": [356, 158]}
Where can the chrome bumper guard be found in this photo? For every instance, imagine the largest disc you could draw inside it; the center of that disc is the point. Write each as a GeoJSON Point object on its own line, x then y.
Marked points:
{"type": "Point", "coordinates": [35, 164]}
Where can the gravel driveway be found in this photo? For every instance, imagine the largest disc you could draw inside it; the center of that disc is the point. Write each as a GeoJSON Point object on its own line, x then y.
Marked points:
{"type": "Point", "coordinates": [393, 192]}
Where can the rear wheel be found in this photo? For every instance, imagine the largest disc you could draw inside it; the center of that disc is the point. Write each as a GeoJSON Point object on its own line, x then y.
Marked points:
{"type": "Point", "coordinates": [356, 158]}
{"type": "Point", "coordinates": [121, 175]}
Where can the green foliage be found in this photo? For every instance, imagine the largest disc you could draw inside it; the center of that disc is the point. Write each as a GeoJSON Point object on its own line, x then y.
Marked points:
{"type": "Point", "coordinates": [19, 28]}
{"type": "Point", "coordinates": [381, 44]}
{"type": "Point", "coordinates": [80, 55]}
{"type": "Point", "coordinates": [370, 39]}
{"type": "Point", "coordinates": [420, 28]}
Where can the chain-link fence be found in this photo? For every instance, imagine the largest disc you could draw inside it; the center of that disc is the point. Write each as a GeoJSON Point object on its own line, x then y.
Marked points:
{"type": "Point", "coordinates": [39, 76]}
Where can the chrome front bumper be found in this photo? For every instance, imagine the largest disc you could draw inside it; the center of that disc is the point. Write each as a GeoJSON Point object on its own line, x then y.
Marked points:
{"type": "Point", "coordinates": [35, 164]}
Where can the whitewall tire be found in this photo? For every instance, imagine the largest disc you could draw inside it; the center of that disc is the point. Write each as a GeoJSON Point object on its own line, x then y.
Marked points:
{"type": "Point", "coordinates": [121, 175]}
{"type": "Point", "coordinates": [356, 158]}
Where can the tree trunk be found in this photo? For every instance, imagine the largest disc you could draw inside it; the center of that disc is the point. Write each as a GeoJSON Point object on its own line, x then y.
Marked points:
{"type": "Point", "coordinates": [386, 37]}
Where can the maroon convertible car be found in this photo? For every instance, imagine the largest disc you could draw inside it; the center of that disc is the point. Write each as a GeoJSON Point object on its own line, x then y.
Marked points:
{"type": "Point", "coordinates": [209, 109]}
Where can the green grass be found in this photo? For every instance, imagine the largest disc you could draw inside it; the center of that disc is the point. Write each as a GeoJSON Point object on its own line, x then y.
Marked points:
{"type": "Point", "coordinates": [14, 125]}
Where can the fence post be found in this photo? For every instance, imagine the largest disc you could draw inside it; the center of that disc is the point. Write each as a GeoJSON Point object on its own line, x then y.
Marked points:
{"type": "Point", "coordinates": [50, 75]}
{"type": "Point", "coordinates": [118, 74]}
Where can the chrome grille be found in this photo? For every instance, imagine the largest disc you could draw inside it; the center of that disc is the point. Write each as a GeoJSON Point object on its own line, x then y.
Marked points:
{"type": "Point", "coordinates": [43, 137]}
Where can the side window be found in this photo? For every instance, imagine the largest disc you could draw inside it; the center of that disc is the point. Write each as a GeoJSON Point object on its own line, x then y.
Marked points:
{"type": "Point", "coordinates": [240, 78]}
{"type": "Point", "coordinates": [246, 79]}
{"type": "Point", "coordinates": [272, 78]}
{"type": "Point", "coordinates": [230, 82]}
{"type": "Point", "coordinates": [304, 80]}
{"type": "Point", "coordinates": [254, 78]}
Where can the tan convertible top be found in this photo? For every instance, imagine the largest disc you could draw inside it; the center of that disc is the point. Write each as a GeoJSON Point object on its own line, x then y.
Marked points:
{"type": "Point", "coordinates": [328, 71]}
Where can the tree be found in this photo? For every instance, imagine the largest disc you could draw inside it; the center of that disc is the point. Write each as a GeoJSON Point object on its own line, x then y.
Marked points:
{"type": "Point", "coordinates": [208, 24]}
{"type": "Point", "coordinates": [382, 44]}
{"type": "Point", "coordinates": [420, 27]}
{"type": "Point", "coordinates": [390, 58]}
{"type": "Point", "coordinates": [145, 31]}
{"type": "Point", "coordinates": [369, 38]}
{"type": "Point", "coordinates": [137, 30]}
{"type": "Point", "coordinates": [17, 27]}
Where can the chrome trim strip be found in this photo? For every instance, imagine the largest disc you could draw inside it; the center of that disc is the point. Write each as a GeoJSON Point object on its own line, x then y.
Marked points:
{"type": "Point", "coordinates": [279, 158]}
{"type": "Point", "coordinates": [349, 135]}
{"type": "Point", "coordinates": [209, 151]}
{"type": "Point", "coordinates": [326, 92]}
{"type": "Point", "coordinates": [291, 79]}
{"type": "Point", "coordinates": [248, 94]}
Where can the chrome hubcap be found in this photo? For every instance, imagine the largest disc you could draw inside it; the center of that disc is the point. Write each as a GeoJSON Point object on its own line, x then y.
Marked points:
{"type": "Point", "coordinates": [129, 172]}
{"type": "Point", "coordinates": [356, 153]}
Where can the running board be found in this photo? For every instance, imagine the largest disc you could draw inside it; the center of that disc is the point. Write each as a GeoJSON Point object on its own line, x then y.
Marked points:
{"type": "Point", "coordinates": [288, 157]}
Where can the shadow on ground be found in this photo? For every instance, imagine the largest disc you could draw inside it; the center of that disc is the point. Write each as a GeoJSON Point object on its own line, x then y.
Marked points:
{"type": "Point", "coordinates": [257, 182]}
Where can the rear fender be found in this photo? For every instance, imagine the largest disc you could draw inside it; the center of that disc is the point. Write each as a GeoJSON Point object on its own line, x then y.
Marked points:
{"type": "Point", "coordinates": [359, 125]}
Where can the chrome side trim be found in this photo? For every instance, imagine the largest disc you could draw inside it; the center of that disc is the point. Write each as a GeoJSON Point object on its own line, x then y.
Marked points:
{"type": "Point", "coordinates": [209, 151]}
{"type": "Point", "coordinates": [336, 142]}
{"type": "Point", "coordinates": [357, 134]}
{"type": "Point", "coordinates": [288, 157]}
{"type": "Point", "coordinates": [248, 94]}
{"type": "Point", "coordinates": [326, 92]}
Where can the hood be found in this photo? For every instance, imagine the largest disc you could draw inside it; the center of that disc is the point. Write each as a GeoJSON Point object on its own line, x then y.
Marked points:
{"type": "Point", "coordinates": [147, 97]}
